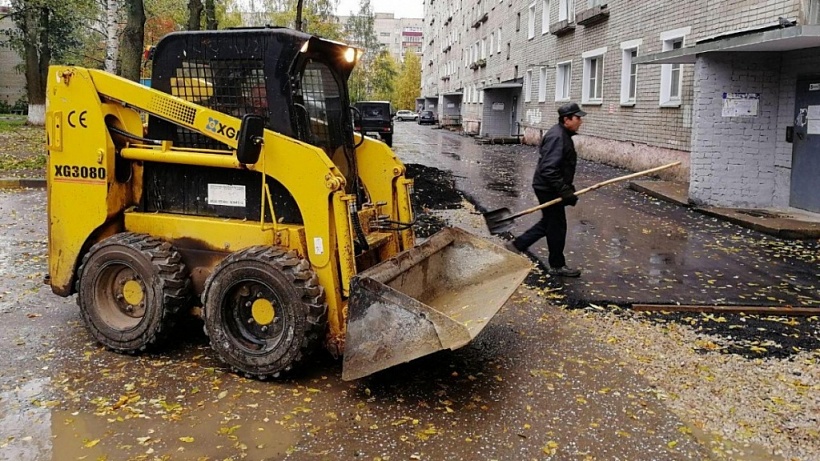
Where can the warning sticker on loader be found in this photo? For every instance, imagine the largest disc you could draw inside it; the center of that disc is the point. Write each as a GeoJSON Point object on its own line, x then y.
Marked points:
{"type": "Point", "coordinates": [226, 195]}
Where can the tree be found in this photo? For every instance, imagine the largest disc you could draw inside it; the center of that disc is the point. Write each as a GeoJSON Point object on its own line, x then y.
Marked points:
{"type": "Point", "coordinates": [195, 8]}
{"type": "Point", "coordinates": [384, 77]}
{"type": "Point", "coordinates": [408, 86]}
{"type": "Point", "coordinates": [361, 32]}
{"type": "Point", "coordinates": [49, 29]}
{"type": "Point", "coordinates": [317, 16]}
{"type": "Point", "coordinates": [133, 40]}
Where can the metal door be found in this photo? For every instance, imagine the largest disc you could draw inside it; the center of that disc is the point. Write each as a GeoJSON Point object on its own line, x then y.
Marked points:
{"type": "Point", "coordinates": [514, 116]}
{"type": "Point", "coordinates": [805, 183]}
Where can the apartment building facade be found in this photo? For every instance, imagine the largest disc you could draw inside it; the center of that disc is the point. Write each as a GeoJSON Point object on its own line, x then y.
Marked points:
{"type": "Point", "coordinates": [504, 66]}
{"type": "Point", "coordinates": [396, 35]}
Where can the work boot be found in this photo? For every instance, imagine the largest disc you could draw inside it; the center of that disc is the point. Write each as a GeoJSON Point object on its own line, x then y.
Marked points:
{"type": "Point", "coordinates": [511, 246]}
{"type": "Point", "coordinates": [564, 271]}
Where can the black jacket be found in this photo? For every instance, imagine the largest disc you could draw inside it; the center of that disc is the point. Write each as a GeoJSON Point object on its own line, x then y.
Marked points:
{"type": "Point", "coordinates": [555, 171]}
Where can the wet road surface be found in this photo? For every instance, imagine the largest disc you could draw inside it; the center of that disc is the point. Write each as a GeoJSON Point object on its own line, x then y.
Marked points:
{"type": "Point", "coordinates": [630, 247]}
{"type": "Point", "coordinates": [532, 386]}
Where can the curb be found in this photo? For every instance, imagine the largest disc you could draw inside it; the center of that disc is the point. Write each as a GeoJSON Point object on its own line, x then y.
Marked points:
{"type": "Point", "coordinates": [22, 183]}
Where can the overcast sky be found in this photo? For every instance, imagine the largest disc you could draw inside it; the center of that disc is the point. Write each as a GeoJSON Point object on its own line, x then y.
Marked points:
{"type": "Point", "coordinates": [401, 8]}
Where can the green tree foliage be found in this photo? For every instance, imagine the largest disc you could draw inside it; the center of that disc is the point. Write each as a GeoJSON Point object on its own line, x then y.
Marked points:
{"type": "Point", "coordinates": [318, 16]}
{"type": "Point", "coordinates": [50, 31]}
{"type": "Point", "coordinates": [360, 32]}
{"type": "Point", "coordinates": [384, 77]}
{"type": "Point", "coordinates": [408, 86]}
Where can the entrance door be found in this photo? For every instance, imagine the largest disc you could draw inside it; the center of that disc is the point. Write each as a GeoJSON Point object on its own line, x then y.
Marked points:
{"type": "Point", "coordinates": [805, 184]}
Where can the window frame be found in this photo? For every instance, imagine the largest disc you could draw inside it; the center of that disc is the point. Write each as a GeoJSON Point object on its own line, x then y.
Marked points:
{"type": "Point", "coordinates": [629, 72]}
{"type": "Point", "coordinates": [563, 80]}
{"type": "Point", "coordinates": [673, 39]}
{"type": "Point", "coordinates": [531, 21]}
{"type": "Point", "coordinates": [566, 10]}
{"type": "Point", "coordinates": [545, 17]}
{"type": "Point", "coordinates": [593, 81]}
{"type": "Point", "coordinates": [528, 86]}
{"type": "Point", "coordinates": [542, 84]}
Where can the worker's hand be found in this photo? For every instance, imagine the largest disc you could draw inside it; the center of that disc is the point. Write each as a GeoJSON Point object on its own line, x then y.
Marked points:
{"type": "Point", "coordinates": [568, 197]}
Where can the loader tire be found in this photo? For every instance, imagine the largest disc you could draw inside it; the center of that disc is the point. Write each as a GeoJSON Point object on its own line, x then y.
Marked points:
{"type": "Point", "coordinates": [130, 288]}
{"type": "Point", "coordinates": [264, 311]}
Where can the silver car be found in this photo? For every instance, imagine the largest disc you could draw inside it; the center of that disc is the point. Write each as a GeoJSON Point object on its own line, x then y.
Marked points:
{"type": "Point", "coordinates": [404, 115]}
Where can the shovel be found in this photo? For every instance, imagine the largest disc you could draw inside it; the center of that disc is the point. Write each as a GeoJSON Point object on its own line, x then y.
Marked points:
{"type": "Point", "coordinates": [501, 220]}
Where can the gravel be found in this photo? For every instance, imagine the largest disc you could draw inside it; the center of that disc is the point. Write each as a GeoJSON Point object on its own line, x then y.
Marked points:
{"type": "Point", "coordinates": [748, 387]}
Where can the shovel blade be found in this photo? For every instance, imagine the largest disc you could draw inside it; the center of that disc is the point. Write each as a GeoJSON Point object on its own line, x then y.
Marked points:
{"type": "Point", "coordinates": [438, 295]}
{"type": "Point", "coordinates": [499, 221]}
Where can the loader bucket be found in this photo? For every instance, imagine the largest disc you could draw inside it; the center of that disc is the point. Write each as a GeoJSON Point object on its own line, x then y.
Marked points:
{"type": "Point", "coordinates": [438, 295]}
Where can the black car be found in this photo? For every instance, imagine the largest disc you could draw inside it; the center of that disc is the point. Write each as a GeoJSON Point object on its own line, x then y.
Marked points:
{"type": "Point", "coordinates": [427, 116]}
{"type": "Point", "coordinates": [376, 117]}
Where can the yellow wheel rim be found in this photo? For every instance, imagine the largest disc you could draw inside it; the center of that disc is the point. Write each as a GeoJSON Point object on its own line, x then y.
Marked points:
{"type": "Point", "coordinates": [263, 311]}
{"type": "Point", "coordinates": [132, 292]}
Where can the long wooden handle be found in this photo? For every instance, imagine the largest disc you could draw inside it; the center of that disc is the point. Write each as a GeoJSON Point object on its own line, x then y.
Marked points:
{"type": "Point", "coordinates": [595, 186]}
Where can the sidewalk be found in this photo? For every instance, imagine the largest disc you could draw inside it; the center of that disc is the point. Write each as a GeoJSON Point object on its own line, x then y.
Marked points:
{"type": "Point", "coordinates": [790, 223]}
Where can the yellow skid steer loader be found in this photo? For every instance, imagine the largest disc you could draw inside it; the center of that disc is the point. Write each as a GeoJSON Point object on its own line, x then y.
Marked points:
{"type": "Point", "coordinates": [237, 183]}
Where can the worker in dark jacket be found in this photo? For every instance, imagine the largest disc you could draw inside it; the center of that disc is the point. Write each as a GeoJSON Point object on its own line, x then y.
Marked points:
{"type": "Point", "coordinates": [553, 178]}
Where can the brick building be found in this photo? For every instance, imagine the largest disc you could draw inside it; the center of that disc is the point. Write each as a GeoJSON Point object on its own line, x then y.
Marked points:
{"type": "Point", "coordinates": [504, 66]}
{"type": "Point", "coordinates": [397, 35]}
{"type": "Point", "coordinates": [12, 80]}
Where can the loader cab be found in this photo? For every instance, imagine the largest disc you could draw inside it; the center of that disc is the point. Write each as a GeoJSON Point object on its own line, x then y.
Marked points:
{"type": "Point", "coordinates": [296, 82]}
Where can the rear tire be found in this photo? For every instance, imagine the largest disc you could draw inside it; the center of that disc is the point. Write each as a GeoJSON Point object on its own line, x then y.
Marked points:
{"type": "Point", "coordinates": [130, 286]}
{"type": "Point", "coordinates": [264, 310]}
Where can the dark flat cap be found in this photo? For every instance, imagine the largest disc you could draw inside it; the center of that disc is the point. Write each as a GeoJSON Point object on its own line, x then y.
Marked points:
{"type": "Point", "coordinates": [570, 109]}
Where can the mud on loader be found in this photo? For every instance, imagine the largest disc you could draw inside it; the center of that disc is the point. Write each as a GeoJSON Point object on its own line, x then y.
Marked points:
{"type": "Point", "coordinates": [237, 183]}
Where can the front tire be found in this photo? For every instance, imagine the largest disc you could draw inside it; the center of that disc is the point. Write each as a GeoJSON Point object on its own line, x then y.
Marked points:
{"type": "Point", "coordinates": [130, 286]}
{"type": "Point", "coordinates": [264, 310]}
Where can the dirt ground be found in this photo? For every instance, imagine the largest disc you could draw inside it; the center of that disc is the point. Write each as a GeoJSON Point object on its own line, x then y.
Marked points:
{"type": "Point", "coordinates": [22, 148]}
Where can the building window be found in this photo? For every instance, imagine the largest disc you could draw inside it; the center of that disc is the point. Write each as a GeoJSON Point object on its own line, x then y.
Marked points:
{"type": "Point", "coordinates": [672, 74]}
{"type": "Point", "coordinates": [499, 40]}
{"type": "Point", "coordinates": [508, 51]}
{"type": "Point", "coordinates": [518, 22]}
{"type": "Point", "coordinates": [542, 84]}
{"type": "Point", "coordinates": [531, 22]}
{"type": "Point", "coordinates": [492, 37]}
{"type": "Point", "coordinates": [592, 91]}
{"type": "Point", "coordinates": [629, 76]}
{"type": "Point", "coordinates": [563, 79]}
{"type": "Point", "coordinates": [545, 17]}
{"type": "Point", "coordinates": [593, 3]}
{"type": "Point", "coordinates": [566, 10]}
{"type": "Point", "coordinates": [528, 86]}
{"type": "Point", "coordinates": [483, 48]}
{"type": "Point", "coordinates": [481, 94]}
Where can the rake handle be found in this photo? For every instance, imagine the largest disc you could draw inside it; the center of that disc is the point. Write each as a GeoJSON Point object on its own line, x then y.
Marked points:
{"type": "Point", "coordinates": [593, 187]}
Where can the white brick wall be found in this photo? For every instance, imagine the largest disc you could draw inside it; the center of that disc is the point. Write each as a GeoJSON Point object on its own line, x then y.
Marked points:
{"type": "Point", "coordinates": [646, 122]}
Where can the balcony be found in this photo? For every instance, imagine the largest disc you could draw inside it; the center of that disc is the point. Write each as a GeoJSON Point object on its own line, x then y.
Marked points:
{"type": "Point", "coordinates": [592, 15]}
{"type": "Point", "coordinates": [478, 64]}
{"type": "Point", "coordinates": [481, 20]}
{"type": "Point", "coordinates": [562, 27]}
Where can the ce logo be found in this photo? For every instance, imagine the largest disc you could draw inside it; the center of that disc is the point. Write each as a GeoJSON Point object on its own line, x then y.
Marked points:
{"type": "Point", "coordinates": [80, 119]}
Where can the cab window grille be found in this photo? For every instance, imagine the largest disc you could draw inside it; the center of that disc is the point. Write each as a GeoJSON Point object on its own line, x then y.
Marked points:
{"type": "Point", "coordinates": [231, 86]}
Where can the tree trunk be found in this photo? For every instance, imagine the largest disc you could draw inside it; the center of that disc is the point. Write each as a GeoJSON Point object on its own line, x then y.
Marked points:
{"type": "Point", "coordinates": [112, 41]}
{"type": "Point", "coordinates": [194, 14]}
{"type": "Point", "coordinates": [133, 37]}
{"type": "Point", "coordinates": [299, 5]}
{"type": "Point", "coordinates": [37, 60]}
{"type": "Point", "coordinates": [210, 15]}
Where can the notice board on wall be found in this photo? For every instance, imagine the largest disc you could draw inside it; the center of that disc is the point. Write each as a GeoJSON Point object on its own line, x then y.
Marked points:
{"type": "Point", "coordinates": [741, 104]}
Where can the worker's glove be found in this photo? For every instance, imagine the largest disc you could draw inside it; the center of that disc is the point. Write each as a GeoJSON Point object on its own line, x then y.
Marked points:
{"type": "Point", "coordinates": [568, 196]}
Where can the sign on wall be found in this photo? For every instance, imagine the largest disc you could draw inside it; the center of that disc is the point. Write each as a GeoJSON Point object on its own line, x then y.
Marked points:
{"type": "Point", "coordinates": [741, 104]}
{"type": "Point", "coordinates": [498, 106]}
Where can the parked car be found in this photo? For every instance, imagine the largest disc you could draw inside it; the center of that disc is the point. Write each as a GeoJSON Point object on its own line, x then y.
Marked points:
{"type": "Point", "coordinates": [427, 116]}
{"type": "Point", "coordinates": [376, 117]}
{"type": "Point", "coordinates": [404, 115]}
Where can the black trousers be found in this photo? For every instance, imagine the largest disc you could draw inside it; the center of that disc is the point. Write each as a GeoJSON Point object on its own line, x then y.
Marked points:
{"type": "Point", "coordinates": [553, 226]}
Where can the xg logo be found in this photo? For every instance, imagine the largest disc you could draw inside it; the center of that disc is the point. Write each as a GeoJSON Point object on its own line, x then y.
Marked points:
{"type": "Point", "coordinates": [217, 127]}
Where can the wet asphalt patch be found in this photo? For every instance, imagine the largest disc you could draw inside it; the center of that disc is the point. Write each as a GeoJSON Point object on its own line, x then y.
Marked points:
{"type": "Point", "coordinates": [750, 336]}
